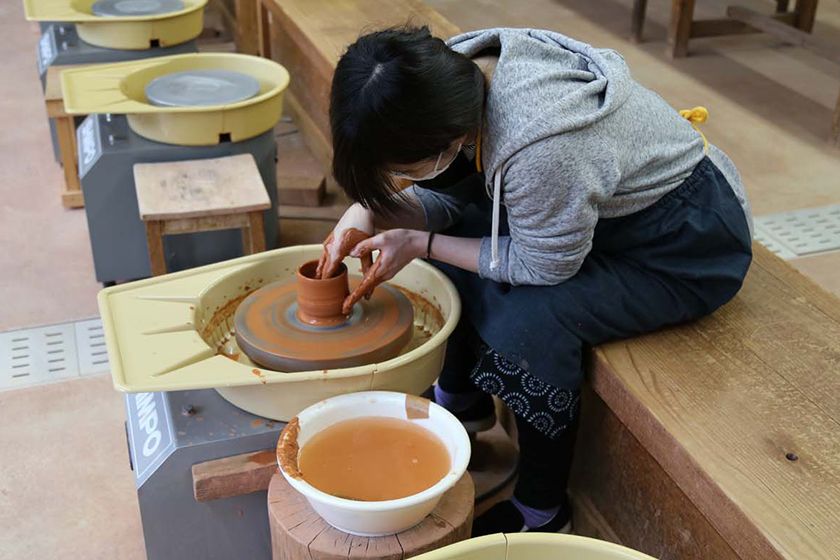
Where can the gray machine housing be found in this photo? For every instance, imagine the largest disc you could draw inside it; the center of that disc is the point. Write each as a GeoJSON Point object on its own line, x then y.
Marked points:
{"type": "Point", "coordinates": [60, 45]}
{"type": "Point", "coordinates": [167, 434]}
{"type": "Point", "coordinates": [108, 151]}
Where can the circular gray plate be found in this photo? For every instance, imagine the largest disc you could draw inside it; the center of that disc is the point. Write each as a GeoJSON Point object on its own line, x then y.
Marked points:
{"type": "Point", "coordinates": [196, 88]}
{"type": "Point", "coordinates": [127, 8]}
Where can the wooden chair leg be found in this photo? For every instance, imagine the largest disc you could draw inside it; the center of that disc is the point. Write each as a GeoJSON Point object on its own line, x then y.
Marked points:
{"type": "Point", "coordinates": [263, 31]}
{"type": "Point", "coordinates": [65, 129]}
{"type": "Point", "coordinates": [835, 126]}
{"type": "Point", "coordinates": [154, 240]}
{"type": "Point", "coordinates": [682, 15]}
{"type": "Point", "coordinates": [253, 237]}
{"type": "Point", "coordinates": [247, 26]}
{"type": "Point", "coordinates": [638, 23]}
{"type": "Point", "coordinates": [782, 6]}
{"type": "Point", "coordinates": [806, 12]}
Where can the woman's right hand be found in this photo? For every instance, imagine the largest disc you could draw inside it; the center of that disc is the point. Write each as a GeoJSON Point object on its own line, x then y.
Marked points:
{"type": "Point", "coordinates": [355, 225]}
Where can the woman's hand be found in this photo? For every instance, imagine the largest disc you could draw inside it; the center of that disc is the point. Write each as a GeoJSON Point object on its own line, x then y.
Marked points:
{"type": "Point", "coordinates": [355, 225]}
{"type": "Point", "coordinates": [397, 248]}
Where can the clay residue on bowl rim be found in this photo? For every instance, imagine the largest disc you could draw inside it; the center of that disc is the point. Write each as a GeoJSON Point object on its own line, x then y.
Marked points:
{"type": "Point", "coordinates": [287, 448]}
{"type": "Point", "coordinates": [416, 407]}
{"type": "Point", "coordinates": [428, 312]}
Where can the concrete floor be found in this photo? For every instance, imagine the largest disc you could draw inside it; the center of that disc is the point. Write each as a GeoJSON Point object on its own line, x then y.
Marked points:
{"type": "Point", "coordinates": [65, 487]}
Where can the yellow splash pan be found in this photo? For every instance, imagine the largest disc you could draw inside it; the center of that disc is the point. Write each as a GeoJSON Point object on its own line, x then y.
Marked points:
{"type": "Point", "coordinates": [126, 33]}
{"type": "Point", "coordinates": [120, 89]}
{"type": "Point", "coordinates": [533, 546]}
{"type": "Point", "coordinates": [175, 332]}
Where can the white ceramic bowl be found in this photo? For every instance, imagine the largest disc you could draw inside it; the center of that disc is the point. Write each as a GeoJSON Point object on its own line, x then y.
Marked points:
{"type": "Point", "coordinates": [373, 519]}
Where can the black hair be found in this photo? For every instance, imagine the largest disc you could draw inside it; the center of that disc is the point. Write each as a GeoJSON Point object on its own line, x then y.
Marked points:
{"type": "Point", "coordinates": [399, 96]}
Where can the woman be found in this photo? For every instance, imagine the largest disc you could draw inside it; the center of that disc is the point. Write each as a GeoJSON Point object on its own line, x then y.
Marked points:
{"type": "Point", "coordinates": [569, 205]}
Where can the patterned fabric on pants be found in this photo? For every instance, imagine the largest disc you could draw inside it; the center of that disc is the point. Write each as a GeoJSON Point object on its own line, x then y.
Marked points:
{"type": "Point", "coordinates": [549, 410]}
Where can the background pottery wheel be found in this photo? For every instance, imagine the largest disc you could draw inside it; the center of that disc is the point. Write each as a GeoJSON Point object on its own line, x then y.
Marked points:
{"type": "Point", "coordinates": [195, 88]}
{"type": "Point", "coordinates": [269, 332]}
{"type": "Point", "coordinates": [127, 8]}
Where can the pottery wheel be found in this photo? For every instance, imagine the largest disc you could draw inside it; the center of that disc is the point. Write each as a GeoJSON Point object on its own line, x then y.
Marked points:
{"type": "Point", "coordinates": [133, 8]}
{"type": "Point", "coordinates": [200, 88]}
{"type": "Point", "coordinates": [269, 332]}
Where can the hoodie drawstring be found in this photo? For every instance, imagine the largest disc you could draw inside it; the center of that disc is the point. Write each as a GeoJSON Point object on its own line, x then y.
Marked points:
{"type": "Point", "coordinates": [494, 234]}
{"type": "Point", "coordinates": [497, 202]}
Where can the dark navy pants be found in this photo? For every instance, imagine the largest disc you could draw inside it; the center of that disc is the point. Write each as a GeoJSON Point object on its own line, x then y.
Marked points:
{"type": "Point", "coordinates": [675, 261]}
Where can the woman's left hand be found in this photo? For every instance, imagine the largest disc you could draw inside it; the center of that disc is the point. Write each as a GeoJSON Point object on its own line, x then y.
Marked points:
{"type": "Point", "coordinates": [397, 248]}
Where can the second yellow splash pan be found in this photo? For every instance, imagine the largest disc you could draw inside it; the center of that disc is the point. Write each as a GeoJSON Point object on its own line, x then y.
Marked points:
{"type": "Point", "coordinates": [126, 33]}
{"type": "Point", "coordinates": [121, 89]}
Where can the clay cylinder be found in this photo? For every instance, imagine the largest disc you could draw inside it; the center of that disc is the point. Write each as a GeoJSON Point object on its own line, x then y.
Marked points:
{"type": "Point", "coordinates": [319, 301]}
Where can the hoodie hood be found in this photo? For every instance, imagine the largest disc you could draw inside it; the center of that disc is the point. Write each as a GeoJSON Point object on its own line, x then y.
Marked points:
{"type": "Point", "coordinates": [573, 84]}
{"type": "Point", "coordinates": [544, 84]}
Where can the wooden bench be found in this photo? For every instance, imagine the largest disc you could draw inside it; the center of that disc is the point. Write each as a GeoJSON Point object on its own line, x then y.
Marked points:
{"type": "Point", "coordinates": [65, 127]}
{"type": "Point", "coordinates": [193, 196]}
{"type": "Point", "coordinates": [720, 439]}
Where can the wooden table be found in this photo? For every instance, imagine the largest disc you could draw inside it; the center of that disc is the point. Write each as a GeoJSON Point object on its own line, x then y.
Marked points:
{"type": "Point", "coordinates": [720, 439]}
{"type": "Point", "coordinates": [71, 194]}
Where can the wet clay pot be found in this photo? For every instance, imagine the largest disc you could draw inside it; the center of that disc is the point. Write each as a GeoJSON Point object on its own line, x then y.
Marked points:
{"type": "Point", "coordinates": [319, 301]}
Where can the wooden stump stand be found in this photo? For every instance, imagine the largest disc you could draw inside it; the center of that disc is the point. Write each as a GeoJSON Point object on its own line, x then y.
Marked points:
{"type": "Point", "coordinates": [297, 532]}
{"type": "Point", "coordinates": [201, 195]}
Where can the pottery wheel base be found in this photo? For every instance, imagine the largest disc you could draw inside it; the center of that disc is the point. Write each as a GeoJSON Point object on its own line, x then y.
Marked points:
{"type": "Point", "coordinates": [298, 532]}
{"type": "Point", "coordinates": [269, 331]}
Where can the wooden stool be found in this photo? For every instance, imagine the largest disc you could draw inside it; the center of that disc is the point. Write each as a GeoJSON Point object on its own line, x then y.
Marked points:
{"type": "Point", "coordinates": [65, 128]}
{"type": "Point", "coordinates": [201, 195]}
{"type": "Point", "coordinates": [297, 532]}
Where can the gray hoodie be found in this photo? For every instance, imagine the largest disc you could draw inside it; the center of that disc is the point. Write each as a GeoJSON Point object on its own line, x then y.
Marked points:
{"type": "Point", "coordinates": [569, 137]}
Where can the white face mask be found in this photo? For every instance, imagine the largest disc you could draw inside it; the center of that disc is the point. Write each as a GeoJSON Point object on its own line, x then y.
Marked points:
{"type": "Point", "coordinates": [434, 173]}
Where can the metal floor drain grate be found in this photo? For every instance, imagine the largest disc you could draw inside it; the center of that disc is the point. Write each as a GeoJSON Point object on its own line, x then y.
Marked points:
{"type": "Point", "coordinates": [90, 344]}
{"type": "Point", "coordinates": [51, 353]}
{"type": "Point", "coordinates": [801, 232]}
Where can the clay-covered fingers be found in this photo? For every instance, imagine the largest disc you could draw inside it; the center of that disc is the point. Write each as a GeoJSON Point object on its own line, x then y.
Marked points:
{"type": "Point", "coordinates": [367, 263]}
{"type": "Point", "coordinates": [370, 280]}
{"type": "Point", "coordinates": [366, 258]}
{"type": "Point", "coordinates": [324, 260]}
{"type": "Point", "coordinates": [337, 248]}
